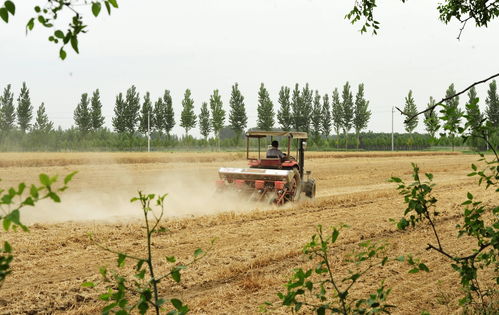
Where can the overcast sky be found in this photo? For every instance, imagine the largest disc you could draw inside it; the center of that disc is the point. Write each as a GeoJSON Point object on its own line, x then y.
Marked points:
{"type": "Point", "coordinates": [206, 44]}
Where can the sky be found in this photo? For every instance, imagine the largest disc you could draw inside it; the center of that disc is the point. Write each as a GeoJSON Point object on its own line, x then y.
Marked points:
{"type": "Point", "coordinates": [211, 44]}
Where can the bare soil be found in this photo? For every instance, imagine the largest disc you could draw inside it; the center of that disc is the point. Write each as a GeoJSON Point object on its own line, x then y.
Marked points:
{"type": "Point", "coordinates": [257, 246]}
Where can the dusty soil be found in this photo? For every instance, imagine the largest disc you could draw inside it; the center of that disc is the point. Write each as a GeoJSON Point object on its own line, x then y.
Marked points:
{"type": "Point", "coordinates": [257, 247]}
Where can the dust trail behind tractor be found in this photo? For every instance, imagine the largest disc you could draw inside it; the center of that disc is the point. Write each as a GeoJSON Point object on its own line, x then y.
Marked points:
{"type": "Point", "coordinates": [269, 179]}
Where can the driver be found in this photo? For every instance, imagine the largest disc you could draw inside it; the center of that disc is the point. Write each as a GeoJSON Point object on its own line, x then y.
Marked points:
{"type": "Point", "coordinates": [274, 152]}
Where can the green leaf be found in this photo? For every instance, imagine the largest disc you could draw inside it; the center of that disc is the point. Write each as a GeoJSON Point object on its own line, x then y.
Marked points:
{"type": "Point", "coordinates": [30, 24]}
{"type": "Point", "coordinates": [114, 3]}
{"type": "Point", "coordinates": [44, 179]}
{"type": "Point", "coordinates": [414, 270]}
{"type": "Point", "coordinates": [88, 284]}
{"type": "Point", "coordinates": [121, 260]}
{"type": "Point", "coordinates": [423, 267]}
{"type": "Point", "coordinates": [10, 6]}
{"type": "Point", "coordinates": [54, 196]}
{"type": "Point", "coordinates": [176, 303]}
{"type": "Point", "coordinates": [469, 195]}
{"type": "Point", "coordinates": [62, 53]}
{"type": "Point", "coordinates": [74, 44]}
{"type": "Point", "coordinates": [6, 247]}
{"type": "Point", "coordinates": [395, 180]}
{"type": "Point", "coordinates": [59, 34]}
{"type": "Point", "coordinates": [170, 259]}
{"type": "Point", "coordinates": [336, 233]}
{"type": "Point", "coordinates": [4, 14]}
{"type": "Point", "coordinates": [96, 7]}
{"type": "Point", "coordinates": [198, 252]}
{"type": "Point", "coordinates": [69, 177]}
{"type": "Point", "coordinates": [175, 275]}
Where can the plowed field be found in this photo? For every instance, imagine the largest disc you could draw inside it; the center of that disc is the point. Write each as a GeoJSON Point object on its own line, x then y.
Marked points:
{"type": "Point", "coordinates": [256, 248]}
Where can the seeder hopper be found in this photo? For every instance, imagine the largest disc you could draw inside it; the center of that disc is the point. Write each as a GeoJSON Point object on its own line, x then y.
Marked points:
{"type": "Point", "coordinates": [268, 178]}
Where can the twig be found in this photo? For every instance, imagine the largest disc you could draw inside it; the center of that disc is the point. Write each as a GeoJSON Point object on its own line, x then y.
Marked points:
{"type": "Point", "coordinates": [431, 108]}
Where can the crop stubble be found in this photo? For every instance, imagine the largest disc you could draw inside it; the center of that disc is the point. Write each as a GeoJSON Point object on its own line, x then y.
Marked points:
{"type": "Point", "coordinates": [256, 248]}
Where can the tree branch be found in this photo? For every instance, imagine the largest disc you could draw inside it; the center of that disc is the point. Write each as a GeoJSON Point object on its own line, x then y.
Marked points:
{"type": "Point", "coordinates": [431, 108]}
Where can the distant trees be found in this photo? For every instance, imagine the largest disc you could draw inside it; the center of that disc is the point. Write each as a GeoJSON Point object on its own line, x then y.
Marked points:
{"type": "Point", "coordinates": [24, 109]}
{"type": "Point", "coordinates": [187, 116]}
{"type": "Point", "coordinates": [96, 111]}
{"type": "Point", "coordinates": [204, 121]}
{"type": "Point", "coordinates": [284, 116]}
{"type": "Point", "coordinates": [431, 120]}
{"type": "Point", "coordinates": [410, 109]}
{"type": "Point", "coordinates": [452, 113]}
{"type": "Point", "coordinates": [119, 122]}
{"type": "Point", "coordinates": [347, 111]}
{"type": "Point", "coordinates": [217, 114]}
{"type": "Point", "coordinates": [42, 122]}
{"type": "Point", "coordinates": [7, 109]}
{"type": "Point", "coordinates": [316, 117]}
{"type": "Point", "coordinates": [337, 114]}
{"type": "Point", "coordinates": [126, 111]}
{"type": "Point", "coordinates": [492, 101]}
{"type": "Point", "coordinates": [146, 114]}
{"type": "Point", "coordinates": [326, 116]}
{"type": "Point", "coordinates": [265, 110]}
{"type": "Point", "coordinates": [237, 115]}
{"type": "Point", "coordinates": [361, 112]}
{"type": "Point", "coordinates": [164, 117]}
{"type": "Point", "coordinates": [82, 116]}
{"type": "Point", "coordinates": [301, 108]}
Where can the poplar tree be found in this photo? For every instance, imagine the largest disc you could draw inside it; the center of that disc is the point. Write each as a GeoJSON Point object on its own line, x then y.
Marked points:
{"type": "Point", "coordinates": [24, 109]}
{"type": "Point", "coordinates": [265, 109]}
{"type": "Point", "coordinates": [347, 111]}
{"type": "Point", "coordinates": [362, 114]}
{"type": "Point", "coordinates": [473, 113]}
{"type": "Point", "coordinates": [410, 109]}
{"type": "Point", "coordinates": [187, 117]}
{"type": "Point", "coordinates": [284, 116]}
{"type": "Point", "coordinates": [237, 115]}
{"type": "Point", "coordinates": [158, 119]}
{"type": "Point", "coordinates": [431, 119]}
{"type": "Point", "coordinates": [297, 108]}
{"type": "Point", "coordinates": [326, 116]}
{"type": "Point", "coordinates": [307, 107]}
{"type": "Point", "coordinates": [132, 109]}
{"type": "Point", "coordinates": [81, 115]}
{"type": "Point", "coordinates": [146, 114]}
{"type": "Point", "coordinates": [492, 102]}
{"type": "Point", "coordinates": [337, 114]}
{"type": "Point", "coordinates": [167, 114]}
{"type": "Point", "coordinates": [204, 121]}
{"type": "Point", "coordinates": [217, 114]}
{"type": "Point", "coordinates": [7, 109]}
{"type": "Point", "coordinates": [42, 122]}
{"type": "Point", "coordinates": [452, 114]}
{"type": "Point", "coordinates": [316, 115]}
{"type": "Point", "coordinates": [96, 111]}
{"type": "Point", "coordinates": [119, 119]}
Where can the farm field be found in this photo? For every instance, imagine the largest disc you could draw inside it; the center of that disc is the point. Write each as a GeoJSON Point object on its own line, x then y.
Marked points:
{"type": "Point", "coordinates": [257, 246]}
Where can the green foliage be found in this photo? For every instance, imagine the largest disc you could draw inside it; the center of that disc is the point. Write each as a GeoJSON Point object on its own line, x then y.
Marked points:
{"type": "Point", "coordinates": [15, 199]}
{"type": "Point", "coordinates": [187, 117]}
{"type": "Point", "coordinates": [126, 295]}
{"type": "Point", "coordinates": [316, 117]}
{"type": "Point", "coordinates": [96, 111]}
{"type": "Point", "coordinates": [24, 109]}
{"type": "Point", "coordinates": [411, 110]}
{"type": "Point", "coordinates": [237, 115]}
{"type": "Point", "coordinates": [326, 122]}
{"type": "Point", "coordinates": [451, 114]}
{"type": "Point", "coordinates": [7, 109]}
{"type": "Point", "coordinates": [82, 115]}
{"type": "Point", "coordinates": [337, 112]}
{"type": "Point", "coordinates": [492, 101]}
{"type": "Point", "coordinates": [362, 114]}
{"type": "Point", "coordinates": [146, 114]}
{"type": "Point", "coordinates": [131, 110]}
{"type": "Point", "coordinates": [217, 113]}
{"type": "Point", "coordinates": [119, 119]}
{"type": "Point", "coordinates": [42, 122]}
{"type": "Point", "coordinates": [347, 109]}
{"type": "Point", "coordinates": [265, 110]}
{"type": "Point", "coordinates": [320, 289]}
{"type": "Point", "coordinates": [284, 116]}
{"type": "Point", "coordinates": [163, 119]}
{"type": "Point", "coordinates": [480, 222]}
{"type": "Point", "coordinates": [431, 119]}
{"type": "Point", "coordinates": [204, 121]}
{"type": "Point", "coordinates": [301, 107]}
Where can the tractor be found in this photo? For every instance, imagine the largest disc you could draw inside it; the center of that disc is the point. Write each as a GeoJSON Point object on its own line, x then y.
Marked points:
{"type": "Point", "coordinates": [270, 179]}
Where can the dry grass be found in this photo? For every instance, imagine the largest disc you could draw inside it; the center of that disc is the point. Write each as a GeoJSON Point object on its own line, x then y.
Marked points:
{"type": "Point", "coordinates": [256, 248]}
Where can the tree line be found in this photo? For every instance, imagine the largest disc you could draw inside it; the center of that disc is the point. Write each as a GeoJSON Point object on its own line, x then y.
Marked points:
{"type": "Point", "coordinates": [329, 119]}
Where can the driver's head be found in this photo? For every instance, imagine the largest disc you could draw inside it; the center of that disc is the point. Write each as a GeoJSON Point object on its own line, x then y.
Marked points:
{"type": "Point", "coordinates": [275, 144]}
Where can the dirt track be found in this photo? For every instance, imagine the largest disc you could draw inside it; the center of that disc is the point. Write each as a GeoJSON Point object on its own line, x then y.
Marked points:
{"type": "Point", "coordinates": [256, 250]}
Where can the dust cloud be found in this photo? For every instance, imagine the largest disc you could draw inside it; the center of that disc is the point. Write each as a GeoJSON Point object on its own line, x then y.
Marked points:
{"type": "Point", "coordinates": [103, 193]}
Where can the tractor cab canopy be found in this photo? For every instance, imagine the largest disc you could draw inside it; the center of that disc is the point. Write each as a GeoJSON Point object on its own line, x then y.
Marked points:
{"type": "Point", "coordinates": [261, 160]}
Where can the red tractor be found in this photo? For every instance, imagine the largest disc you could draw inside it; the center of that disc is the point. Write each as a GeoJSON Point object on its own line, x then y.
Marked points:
{"type": "Point", "coordinates": [270, 179]}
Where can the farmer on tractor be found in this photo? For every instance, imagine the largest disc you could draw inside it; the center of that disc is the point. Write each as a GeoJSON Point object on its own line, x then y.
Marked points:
{"type": "Point", "coordinates": [274, 152]}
